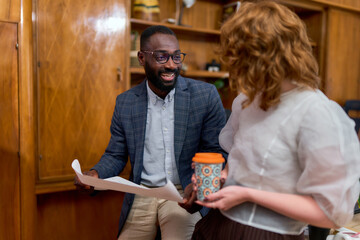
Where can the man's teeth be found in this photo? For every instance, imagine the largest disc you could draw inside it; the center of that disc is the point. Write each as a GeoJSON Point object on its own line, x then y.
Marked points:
{"type": "Point", "coordinates": [168, 74]}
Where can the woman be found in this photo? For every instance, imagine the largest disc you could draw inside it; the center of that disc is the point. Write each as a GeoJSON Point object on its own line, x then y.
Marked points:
{"type": "Point", "coordinates": [293, 154]}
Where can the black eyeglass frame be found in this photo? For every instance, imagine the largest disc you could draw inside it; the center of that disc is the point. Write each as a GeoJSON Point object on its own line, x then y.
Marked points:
{"type": "Point", "coordinates": [168, 56]}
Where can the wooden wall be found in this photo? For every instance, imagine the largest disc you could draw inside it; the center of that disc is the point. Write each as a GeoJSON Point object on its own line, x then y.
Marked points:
{"type": "Point", "coordinates": [37, 209]}
{"type": "Point", "coordinates": [9, 129]}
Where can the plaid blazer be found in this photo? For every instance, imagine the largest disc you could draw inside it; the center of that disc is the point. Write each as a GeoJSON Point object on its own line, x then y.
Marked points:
{"type": "Point", "coordinates": [199, 118]}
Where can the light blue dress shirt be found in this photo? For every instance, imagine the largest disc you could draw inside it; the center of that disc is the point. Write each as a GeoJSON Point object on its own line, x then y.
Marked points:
{"type": "Point", "coordinates": [159, 157]}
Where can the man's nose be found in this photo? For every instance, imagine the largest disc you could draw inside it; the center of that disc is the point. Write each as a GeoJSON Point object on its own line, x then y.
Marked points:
{"type": "Point", "coordinates": [170, 63]}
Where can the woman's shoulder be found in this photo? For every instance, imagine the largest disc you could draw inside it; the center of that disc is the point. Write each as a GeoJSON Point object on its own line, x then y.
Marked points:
{"type": "Point", "coordinates": [324, 115]}
{"type": "Point", "coordinates": [319, 104]}
{"type": "Point", "coordinates": [237, 102]}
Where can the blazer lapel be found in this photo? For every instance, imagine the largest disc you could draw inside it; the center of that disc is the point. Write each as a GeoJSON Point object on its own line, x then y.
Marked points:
{"type": "Point", "coordinates": [181, 112]}
{"type": "Point", "coordinates": [138, 118]}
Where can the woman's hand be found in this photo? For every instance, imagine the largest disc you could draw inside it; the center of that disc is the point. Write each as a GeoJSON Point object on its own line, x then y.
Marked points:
{"type": "Point", "coordinates": [300, 207]}
{"type": "Point", "coordinates": [226, 198]}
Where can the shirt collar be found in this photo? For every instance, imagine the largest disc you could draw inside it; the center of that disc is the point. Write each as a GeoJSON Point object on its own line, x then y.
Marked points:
{"type": "Point", "coordinates": [154, 98]}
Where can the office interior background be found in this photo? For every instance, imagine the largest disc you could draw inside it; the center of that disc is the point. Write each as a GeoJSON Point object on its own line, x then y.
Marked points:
{"type": "Point", "coordinates": [62, 64]}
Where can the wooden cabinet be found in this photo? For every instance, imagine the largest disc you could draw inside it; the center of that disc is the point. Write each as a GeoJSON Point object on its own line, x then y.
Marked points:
{"type": "Point", "coordinates": [343, 55]}
{"type": "Point", "coordinates": [73, 215]}
{"type": "Point", "coordinates": [314, 17]}
{"type": "Point", "coordinates": [10, 10]}
{"type": "Point", "coordinates": [9, 129]}
{"type": "Point", "coordinates": [334, 28]}
{"type": "Point", "coordinates": [81, 68]}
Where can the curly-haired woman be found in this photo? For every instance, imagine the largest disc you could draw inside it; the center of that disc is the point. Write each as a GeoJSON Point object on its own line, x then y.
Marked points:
{"type": "Point", "coordinates": [294, 157]}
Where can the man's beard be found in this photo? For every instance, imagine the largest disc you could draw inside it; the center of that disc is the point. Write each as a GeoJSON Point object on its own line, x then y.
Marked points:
{"type": "Point", "coordinates": [157, 81]}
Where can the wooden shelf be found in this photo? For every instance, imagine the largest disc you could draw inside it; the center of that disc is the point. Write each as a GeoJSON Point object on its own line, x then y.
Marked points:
{"type": "Point", "coordinates": [51, 187]}
{"type": "Point", "coordinates": [192, 74]}
{"type": "Point", "coordinates": [138, 23]}
{"type": "Point", "coordinates": [137, 70]}
{"type": "Point", "coordinates": [206, 74]}
{"type": "Point", "coordinates": [181, 29]}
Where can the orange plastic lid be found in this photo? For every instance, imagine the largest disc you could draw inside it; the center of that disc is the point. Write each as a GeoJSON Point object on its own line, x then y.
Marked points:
{"type": "Point", "coordinates": [208, 157]}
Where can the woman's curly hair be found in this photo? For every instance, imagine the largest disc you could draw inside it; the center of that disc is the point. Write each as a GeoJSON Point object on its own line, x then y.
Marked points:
{"type": "Point", "coordinates": [264, 44]}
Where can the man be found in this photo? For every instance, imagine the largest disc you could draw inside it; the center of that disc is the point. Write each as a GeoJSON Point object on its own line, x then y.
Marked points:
{"type": "Point", "coordinates": [160, 124]}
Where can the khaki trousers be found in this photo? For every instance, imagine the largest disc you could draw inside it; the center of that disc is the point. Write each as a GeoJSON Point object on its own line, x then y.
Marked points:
{"type": "Point", "coordinates": [147, 213]}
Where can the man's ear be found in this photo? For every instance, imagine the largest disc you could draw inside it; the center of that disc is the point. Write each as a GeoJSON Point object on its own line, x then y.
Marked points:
{"type": "Point", "coordinates": [141, 58]}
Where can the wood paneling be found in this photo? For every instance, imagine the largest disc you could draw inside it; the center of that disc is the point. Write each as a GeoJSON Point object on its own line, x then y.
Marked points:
{"type": "Point", "coordinates": [9, 129]}
{"type": "Point", "coordinates": [81, 48]}
{"type": "Point", "coordinates": [343, 56]}
{"type": "Point", "coordinates": [350, 4]}
{"type": "Point", "coordinates": [73, 215]}
{"type": "Point", "coordinates": [10, 10]}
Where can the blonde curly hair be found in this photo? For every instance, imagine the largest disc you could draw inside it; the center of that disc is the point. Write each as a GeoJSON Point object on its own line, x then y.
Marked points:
{"type": "Point", "coordinates": [263, 44]}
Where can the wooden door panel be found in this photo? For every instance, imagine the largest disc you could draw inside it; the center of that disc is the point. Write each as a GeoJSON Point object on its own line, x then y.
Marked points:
{"type": "Point", "coordinates": [10, 10]}
{"type": "Point", "coordinates": [9, 134]}
{"type": "Point", "coordinates": [80, 45]}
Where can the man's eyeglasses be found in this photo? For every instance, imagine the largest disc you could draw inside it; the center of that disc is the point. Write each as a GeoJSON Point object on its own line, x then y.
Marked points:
{"type": "Point", "coordinates": [163, 57]}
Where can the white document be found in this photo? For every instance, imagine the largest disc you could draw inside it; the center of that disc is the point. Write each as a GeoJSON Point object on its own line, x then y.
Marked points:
{"type": "Point", "coordinates": [168, 192]}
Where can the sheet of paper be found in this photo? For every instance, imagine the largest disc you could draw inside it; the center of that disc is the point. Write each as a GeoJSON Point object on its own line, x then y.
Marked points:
{"type": "Point", "coordinates": [167, 192]}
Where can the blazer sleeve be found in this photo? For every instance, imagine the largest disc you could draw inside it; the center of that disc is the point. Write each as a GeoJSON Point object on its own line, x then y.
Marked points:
{"type": "Point", "coordinates": [115, 157]}
{"type": "Point", "coordinates": [214, 121]}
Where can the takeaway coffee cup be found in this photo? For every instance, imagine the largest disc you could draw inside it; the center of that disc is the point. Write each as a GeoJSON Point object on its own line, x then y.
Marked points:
{"type": "Point", "coordinates": [207, 172]}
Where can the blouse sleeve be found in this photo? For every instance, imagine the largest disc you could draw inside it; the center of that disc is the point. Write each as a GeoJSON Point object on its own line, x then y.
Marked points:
{"type": "Point", "coordinates": [226, 137]}
{"type": "Point", "coordinates": [329, 154]}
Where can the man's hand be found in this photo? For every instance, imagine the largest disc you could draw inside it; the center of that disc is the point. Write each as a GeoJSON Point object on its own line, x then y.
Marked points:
{"type": "Point", "coordinates": [83, 187]}
{"type": "Point", "coordinates": [223, 175]}
{"type": "Point", "coordinates": [189, 200]}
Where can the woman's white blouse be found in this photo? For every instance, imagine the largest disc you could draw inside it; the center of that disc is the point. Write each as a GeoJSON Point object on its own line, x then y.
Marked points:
{"type": "Point", "coordinates": [306, 145]}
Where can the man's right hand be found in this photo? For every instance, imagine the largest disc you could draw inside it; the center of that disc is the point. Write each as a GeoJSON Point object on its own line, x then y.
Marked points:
{"type": "Point", "coordinates": [83, 187]}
